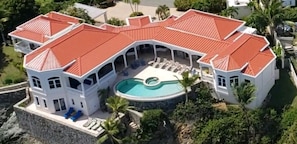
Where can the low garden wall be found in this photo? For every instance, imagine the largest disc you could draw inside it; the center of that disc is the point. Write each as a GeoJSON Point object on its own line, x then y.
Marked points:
{"type": "Point", "coordinates": [165, 105]}
{"type": "Point", "coordinates": [13, 93]}
{"type": "Point", "coordinates": [293, 74]}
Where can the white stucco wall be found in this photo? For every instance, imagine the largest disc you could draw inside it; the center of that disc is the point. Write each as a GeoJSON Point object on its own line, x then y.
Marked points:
{"type": "Point", "coordinates": [264, 82]}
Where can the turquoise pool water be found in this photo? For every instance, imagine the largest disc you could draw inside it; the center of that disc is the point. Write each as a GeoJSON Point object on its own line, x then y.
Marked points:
{"type": "Point", "coordinates": [135, 87]}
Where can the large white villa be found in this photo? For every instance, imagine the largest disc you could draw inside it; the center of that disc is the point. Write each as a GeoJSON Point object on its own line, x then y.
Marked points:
{"type": "Point", "coordinates": [77, 60]}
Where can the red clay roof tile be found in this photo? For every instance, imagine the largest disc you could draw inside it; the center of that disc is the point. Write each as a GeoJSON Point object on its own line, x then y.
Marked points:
{"type": "Point", "coordinates": [88, 46]}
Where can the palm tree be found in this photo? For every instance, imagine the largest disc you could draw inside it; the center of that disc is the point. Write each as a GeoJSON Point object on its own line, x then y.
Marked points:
{"type": "Point", "coordinates": [271, 11]}
{"type": "Point", "coordinates": [3, 19]}
{"type": "Point", "coordinates": [117, 105]}
{"type": "Point", "coordinates": [78, 12]}
{"type": "Point", "coordinates": [245, 94]}
{"type": "Point", "coordinates": [187, 81]}
{"type": "Point", "coordinates": [230, 11]}
{"type": "Point", "coordinates": [133, 2]}
{"type": "Point", "coordinates": [111, 128]}
{"type": "Point", "coordinates": [163, 12]}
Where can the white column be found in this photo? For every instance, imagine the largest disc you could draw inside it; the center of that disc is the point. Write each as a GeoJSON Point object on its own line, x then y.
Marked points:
{"type": "Point", "coordinates": [82, 87]}
{"type": "Point", "coordinates": [191, 61]}
{"type": "Point", "coordinates": [113, 67]}
{"type": "Point", "coordinates": [172, 55]}
{"type": "Point", "coordinates": [155, 51]}
{"type": "Point", "coordinates": [125, 60]}
{"type": "Point", "coordinates": [136, 55]}
{"type": "Point", "coordinates": [105, 17]}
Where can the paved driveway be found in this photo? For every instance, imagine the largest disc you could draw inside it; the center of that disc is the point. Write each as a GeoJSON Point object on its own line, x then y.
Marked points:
{"type": "Point", "coordinates": [122, 10]}
{"type": "Point", "coordinates": [156, 3]}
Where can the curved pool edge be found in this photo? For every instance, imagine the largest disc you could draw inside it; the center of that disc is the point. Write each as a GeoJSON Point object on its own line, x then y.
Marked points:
{"type": "Point", "coordinates": [145, 99]}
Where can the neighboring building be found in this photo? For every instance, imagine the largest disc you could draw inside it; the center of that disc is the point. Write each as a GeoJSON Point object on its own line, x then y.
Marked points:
{"type": "Point", "coordinates": [69, 70]}
{"type": "Point", "coordinates": [36, 32]}
{"type": "Point", "coordinates": [244, 10]}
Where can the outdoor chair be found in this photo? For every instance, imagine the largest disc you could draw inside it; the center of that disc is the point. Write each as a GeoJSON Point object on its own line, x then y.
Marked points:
{"type": "Point", "coordinates": [125, 73]}
{"type": "Point", "coordinates": [76, 116]}
{"type": "Point", "coordinates": [69, 113]}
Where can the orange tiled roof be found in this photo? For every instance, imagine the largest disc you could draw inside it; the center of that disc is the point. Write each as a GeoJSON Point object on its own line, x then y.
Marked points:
{"type": "Point", "coordinates": [87, 46]}
{"type": "Point", "coordinates": [207, 25]}
{"type": "Point", "coordinates": [42, 27]}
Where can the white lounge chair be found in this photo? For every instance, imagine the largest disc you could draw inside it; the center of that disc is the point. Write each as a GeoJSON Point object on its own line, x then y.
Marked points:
{"type": "Point", "coordinates": [98, 124]}
{"type": "Point", "coordinates": [93, 123]}
{"type": "Point", "coordinates": [170, 65]}
{"type": "Point", "coordinates": [157, 62]}
{"type": "Point", "coordinates": [163, 63]}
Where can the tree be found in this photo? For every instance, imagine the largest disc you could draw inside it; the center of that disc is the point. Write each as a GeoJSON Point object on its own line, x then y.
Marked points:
{"type": "Point", "coordinates": [19, 11]}
{"type": "Point", "coordinates": [211, 6]}
{"type": "Point", "coordinates": [183, 5]}
{"type": "Point", "coordinates": [3, 19]}
{"type": "Point", "coordinates": [290, 135]}
{"type": "Point", "coordinates": [111, 128]}
{"type": "Point", "coordinates": [77, 12]}
{"type": "Point", "coordinates": [163, 12]}
{"type": "Point", "coordinates": [187, 81]}
{"type": "Point", "coordinates": [230, 11]}
{"type": "Point", "coordinates": [116, 21]}
{"type": "Point", "coordinates": [226, 130]}
{"type": "Point", "coordinates": [244, 93]}
{"type": "Point", "coordinates": [271, 12]}
{"type": "Point", "coordinates": [277, 49]}
{"type": "Point", "coordinates": [118, 105]}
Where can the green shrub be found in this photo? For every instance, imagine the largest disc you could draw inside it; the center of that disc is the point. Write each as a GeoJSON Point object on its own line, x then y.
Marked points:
{"type": "Point", "coordinates": [116, 21]}
{"type": "Point", "coordinates": [289, 117]}
{"type": "Point", "coordinates": [152, 119]}
{"type": "Point", "coordinates": [8, 81]}
{"type": "Point", "coordinates": [18, 80]}
{"type": "Point", "coordinates": [183, 5]}
{"type": "Point", "coordinates": [134, 14]}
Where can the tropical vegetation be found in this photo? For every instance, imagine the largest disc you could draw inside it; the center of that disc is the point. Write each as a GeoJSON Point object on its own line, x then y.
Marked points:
{"type": "Point", "coordinates": [111, 129]}
{"type": "Point", "coordinates": [187, 81]}
{"type": "Point", "coordinates": [266, 17]}
{"type": "Point", "coordinates": [163, 12]}
{"type": "Point", "coordinates": [77, 12]}
{"type": "Point", "coordinates": [116, 21]}
{"type": "Point", "coordinates": [117, 105]}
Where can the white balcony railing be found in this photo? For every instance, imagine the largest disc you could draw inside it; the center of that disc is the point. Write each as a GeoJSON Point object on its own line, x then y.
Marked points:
{"type": "Point", "coordinates": [207, 77]}
{"type": "Point", "coordinates": [22, 47]}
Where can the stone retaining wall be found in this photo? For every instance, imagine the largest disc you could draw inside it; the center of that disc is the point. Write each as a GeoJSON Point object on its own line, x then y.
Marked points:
{"type": "Point", "coordinates": [14, 87]}
{"type": "Point", "coordinates": [49, 131]}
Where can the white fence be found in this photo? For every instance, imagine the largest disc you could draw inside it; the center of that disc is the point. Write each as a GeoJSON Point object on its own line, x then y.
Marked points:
{"type": "Point", "coordinates": [293, 74]}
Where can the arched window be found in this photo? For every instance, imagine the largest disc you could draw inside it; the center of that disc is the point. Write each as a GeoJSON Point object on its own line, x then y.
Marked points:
{"type": "Point", "coordinates": [221, 81]}
{"type": "Point", "coordinates": [105, 70]}
{"type": "Point", "coordinates": [36, 82]}
{"type": "Point", "coordinates": [234, 81]}
{"type": "Point", "coordinates": [54, 82]}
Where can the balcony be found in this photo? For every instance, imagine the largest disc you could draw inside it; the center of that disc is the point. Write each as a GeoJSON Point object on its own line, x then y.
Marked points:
{"type": "Point", "coordinates": [25, 47]}
{"type": "Point", "coordinates": [22, 47]}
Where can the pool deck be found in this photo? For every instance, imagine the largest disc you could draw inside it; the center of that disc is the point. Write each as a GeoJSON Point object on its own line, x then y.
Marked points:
{"type": "Point", "coordinates": [144, 72]}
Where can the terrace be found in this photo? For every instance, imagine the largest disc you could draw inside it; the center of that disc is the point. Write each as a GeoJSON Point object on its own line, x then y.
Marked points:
{"type": "Point", "coordinates": [80, 124]}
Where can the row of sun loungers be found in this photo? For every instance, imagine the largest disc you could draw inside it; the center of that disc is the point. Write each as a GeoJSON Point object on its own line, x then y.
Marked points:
{"type": "Point", "coordinates": [170, 65]}
{"type": "Point", "coordinates": [93, 124]}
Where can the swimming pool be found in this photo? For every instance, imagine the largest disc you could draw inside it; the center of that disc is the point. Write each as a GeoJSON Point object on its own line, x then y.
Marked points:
{"type": "Point", "coordinates": [137, 88]}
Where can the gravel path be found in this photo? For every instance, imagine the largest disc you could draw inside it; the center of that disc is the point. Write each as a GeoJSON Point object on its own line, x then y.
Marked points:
{"type": "Point", "coordinates": [156, 3]}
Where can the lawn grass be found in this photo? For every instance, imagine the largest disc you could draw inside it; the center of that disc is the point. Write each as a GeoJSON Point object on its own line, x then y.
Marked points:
{"type": "Point", "coordinates": [11, 66]}
{"type": "Point", "coordinates": [284, 92]}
